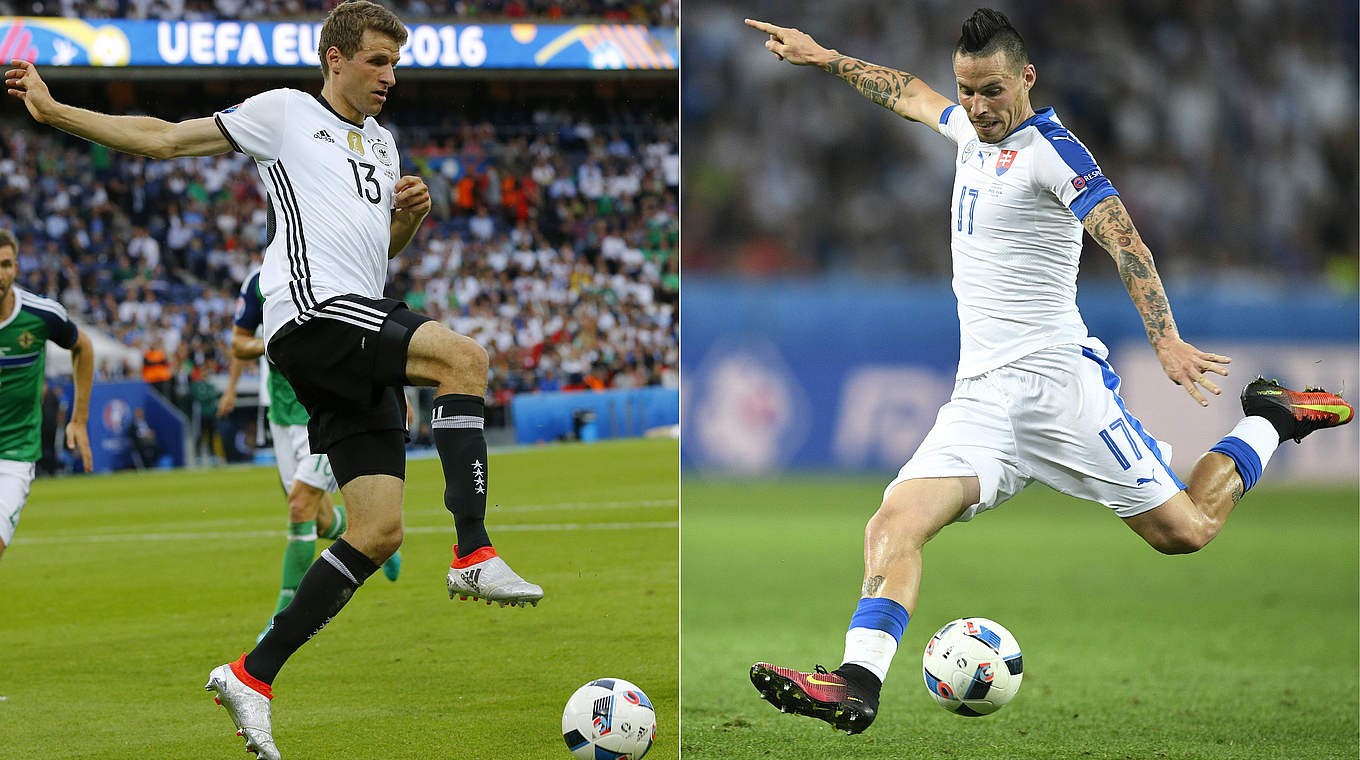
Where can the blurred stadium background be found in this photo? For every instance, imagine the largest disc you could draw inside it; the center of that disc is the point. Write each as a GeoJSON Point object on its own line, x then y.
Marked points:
{"type": "Point", "coordinates": [551, 151]}
{"type": "Point", "coordinates": [820, 330]}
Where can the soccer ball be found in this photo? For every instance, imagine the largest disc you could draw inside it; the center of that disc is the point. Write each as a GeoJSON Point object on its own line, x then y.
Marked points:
{"type": "Point", "coordinates": [609, 719]}
{"type": "Point", "coordinates": [972, 666]}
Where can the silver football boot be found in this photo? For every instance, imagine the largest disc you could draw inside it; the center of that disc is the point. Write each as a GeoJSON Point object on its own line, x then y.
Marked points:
{"type": "Point", "coordinates": [248, 708]}
{"type": "Point", "coordinates": [484, 575]}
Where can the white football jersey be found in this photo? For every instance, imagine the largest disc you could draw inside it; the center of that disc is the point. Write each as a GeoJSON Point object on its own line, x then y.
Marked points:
{"type": "Point", "coordinates": [1016, 237]}
{"type": "Point", "coordinates": [330, 186]}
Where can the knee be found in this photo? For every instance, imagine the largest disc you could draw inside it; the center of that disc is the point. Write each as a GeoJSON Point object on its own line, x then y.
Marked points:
{"type": "Point", "coordinates": [1186, 539]}
{"type": "Point", "coordinates": [463, 357]}
{"type": "Point", "coordinates": [386, 541]}
{"type": "Point", "coordinates": [470, 356]}
{"type": "Point", "coordinates": [303, 502]}
{"type": "Point", "coordinates": [896, 520]}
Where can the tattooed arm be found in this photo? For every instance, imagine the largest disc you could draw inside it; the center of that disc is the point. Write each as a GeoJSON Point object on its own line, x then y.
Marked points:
{"type": "Point", "coordinates": [898, 91]}
{"type": "Point", "coordinates": [1186, 365]}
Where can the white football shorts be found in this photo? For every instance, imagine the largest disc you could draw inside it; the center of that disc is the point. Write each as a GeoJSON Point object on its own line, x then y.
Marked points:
{"type": "Point", "coordinates": [293, 454]}
{"type": "Point", "coordinates": [1054, 416]}
{"type": "Point", "coordinates": [15, 478]}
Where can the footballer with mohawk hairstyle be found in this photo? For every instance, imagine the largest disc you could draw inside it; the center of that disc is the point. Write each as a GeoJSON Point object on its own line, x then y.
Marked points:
{"type": "Point", "coordinates": [1035, 398]}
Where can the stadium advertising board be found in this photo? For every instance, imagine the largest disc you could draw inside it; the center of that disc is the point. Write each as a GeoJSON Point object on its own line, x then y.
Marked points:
{"type": "Point", "coordinates": [823, 376]}
{"type": "Point", "coordinates": [108, 43]}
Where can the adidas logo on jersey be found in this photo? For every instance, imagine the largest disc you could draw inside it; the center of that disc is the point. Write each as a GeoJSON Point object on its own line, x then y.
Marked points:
{"type": "Point", "coordinates": [324, 135]}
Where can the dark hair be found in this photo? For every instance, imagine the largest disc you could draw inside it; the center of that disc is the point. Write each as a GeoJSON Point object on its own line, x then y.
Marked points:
{"type": "Point", "coordinates": [987, 31]}
{"type": "Point", "coordinates": [344, 29]}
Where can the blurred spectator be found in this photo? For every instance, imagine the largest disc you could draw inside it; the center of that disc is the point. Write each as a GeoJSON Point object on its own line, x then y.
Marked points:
{"type": "Point", "coordinates": [142, 438]}
{"type": "Point", "coordinates": [51, 421]}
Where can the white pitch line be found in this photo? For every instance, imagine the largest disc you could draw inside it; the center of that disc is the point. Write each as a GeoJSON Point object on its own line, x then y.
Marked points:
{"type": "Point", "coordinates": [492, 511]}
{"type": "Point", "coordinates": [420, 529]}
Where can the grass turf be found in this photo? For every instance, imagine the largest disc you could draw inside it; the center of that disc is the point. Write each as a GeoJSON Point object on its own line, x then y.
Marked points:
{"type": "Point", "coordinates": [121, 592]}
{"type": "Point", "coordinates": [1247, 649]}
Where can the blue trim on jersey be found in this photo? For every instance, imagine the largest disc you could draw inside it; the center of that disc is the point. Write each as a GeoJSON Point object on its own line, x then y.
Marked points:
{"type": "Point", "coordinates": [944, 115]}
{"type": "Point", "coordinates": [250, 308]}
{"type": "Point", "coordinates": [1111, 380]}
{"type": "Point", "coordinates": [23, 360]}
{"type": "Point", "coordinates": [881, 615]}
{"type": "Point", "coordinates": [60, 329]}
{"type": "Point", "coordinates": [1244, 456]}
{"type": "Point", "coordinates": [1096, 187]}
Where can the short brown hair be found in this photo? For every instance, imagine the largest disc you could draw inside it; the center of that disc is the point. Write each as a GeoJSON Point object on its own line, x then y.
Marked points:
{"type": "Point", "coordinates": [7, 239]}
{"type": "Point", "coordinates": [344, 29]}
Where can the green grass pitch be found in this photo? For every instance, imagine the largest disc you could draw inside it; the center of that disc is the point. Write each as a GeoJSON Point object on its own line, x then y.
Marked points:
{"type": "Point", "coordinates": [121, 592]}
{"type": "Point", "coordinates": [1247, 649]}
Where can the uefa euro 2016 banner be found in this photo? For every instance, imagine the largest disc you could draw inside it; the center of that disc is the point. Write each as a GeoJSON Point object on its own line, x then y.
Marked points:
{"type": "Point", "coordinates": [77, 42]}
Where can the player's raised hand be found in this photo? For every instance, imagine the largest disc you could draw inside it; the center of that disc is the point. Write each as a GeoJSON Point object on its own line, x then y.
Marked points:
{"type": "Point", "coordinates": [411, 197]}
{"type": "Point", "coordinates": [1188, 367]}
{"type": "Point", "coordinates": [78, 440]}
{"type": "Point", "coordinates": [23, 82]}
{"type": "Point", "coordinates": [791, 45]}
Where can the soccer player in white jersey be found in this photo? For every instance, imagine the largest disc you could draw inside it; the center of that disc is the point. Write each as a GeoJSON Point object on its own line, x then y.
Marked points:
{"type": "Point", "coordinates": [338, 211]}
{"type": "Point", "coordinates": [1035, 399]}
{"type": "Point", "coordinates": [27, 322]}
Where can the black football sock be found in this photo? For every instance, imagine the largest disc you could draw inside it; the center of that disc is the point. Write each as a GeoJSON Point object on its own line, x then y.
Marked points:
{"type": "Point", "coordinates": [865, 684]}
{"type": "Point", "coordinates": [327, 586]}
{"type": "Point", "coordinates": [457, 425]}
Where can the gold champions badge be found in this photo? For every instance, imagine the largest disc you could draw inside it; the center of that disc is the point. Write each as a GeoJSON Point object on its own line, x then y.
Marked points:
{"type": "Point", "coordinates": [356, 142]}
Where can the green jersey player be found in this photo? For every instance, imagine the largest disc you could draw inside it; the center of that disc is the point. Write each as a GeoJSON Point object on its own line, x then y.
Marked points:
{"type": "Point", "coordinates": [306, 477]}
{"type": "Point", "coordinates": [27, 322]}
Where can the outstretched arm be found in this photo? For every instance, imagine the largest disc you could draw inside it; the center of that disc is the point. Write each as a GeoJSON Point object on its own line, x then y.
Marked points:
{"type": "Point", "coordinates": [897, 91]}
{"type": "Point", "coordinates": [142, 135]}
{"type": "Point", "coordinates": [1186, 365]}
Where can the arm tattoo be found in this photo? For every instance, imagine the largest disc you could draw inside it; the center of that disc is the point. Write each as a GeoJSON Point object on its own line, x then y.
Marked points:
{"type": "Point", "coordinates": [872, 585]}
{"type": "Point", "coordinates": [1237, 493]}
{"type": "Point", "coordinates": [1110, 225]}
{"type": "Point", "coordinates": [882, 85]}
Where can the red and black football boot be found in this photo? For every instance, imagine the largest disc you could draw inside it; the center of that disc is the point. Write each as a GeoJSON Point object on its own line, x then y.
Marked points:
{"type": "Point", "coordinates": [1294, 414]}
{"type": "Point", "coordinates": [821, 694]}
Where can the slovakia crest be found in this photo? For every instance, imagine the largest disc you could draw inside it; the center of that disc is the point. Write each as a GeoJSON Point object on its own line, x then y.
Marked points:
{"type": "Point", "coordinates": [1004, 161]}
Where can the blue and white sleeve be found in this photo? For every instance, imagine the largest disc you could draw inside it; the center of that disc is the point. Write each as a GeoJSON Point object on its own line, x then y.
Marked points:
{"type": "Point", "coordinates": [1070, 172]}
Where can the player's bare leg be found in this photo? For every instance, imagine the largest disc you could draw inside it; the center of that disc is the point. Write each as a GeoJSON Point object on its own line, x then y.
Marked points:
{"type": "Point", "coordinates": [847, 698]}
{"type": "Point", "coordinates": [375, 526]}
{"type": "Point", "coordinates": [457, 367]}
{"type": "Point", "coordinates": [1191, 518]}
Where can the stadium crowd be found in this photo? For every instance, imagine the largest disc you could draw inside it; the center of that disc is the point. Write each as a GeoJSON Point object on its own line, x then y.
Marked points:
{"type": "Point", "coordinates": [652, 12]}
{"type": "Point", "coordinates": [1229, 129]}
{"type": "Point", "coordinates": [552, 241]}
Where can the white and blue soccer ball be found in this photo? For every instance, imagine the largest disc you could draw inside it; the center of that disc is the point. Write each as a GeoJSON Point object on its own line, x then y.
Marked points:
{"type": "Point", "coordinates": [609, 719]}
{"type": "Point", "coordinates": [972, 666]}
